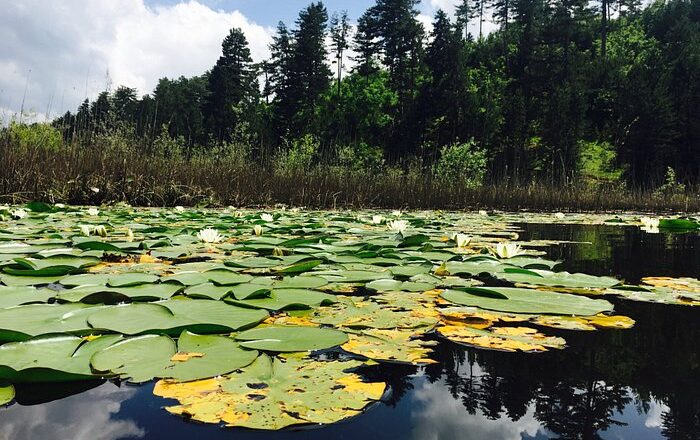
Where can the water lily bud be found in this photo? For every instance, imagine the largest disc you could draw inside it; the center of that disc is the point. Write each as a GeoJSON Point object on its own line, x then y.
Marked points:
{"type": "Point", "coordinates": [101, 231]}
{"type": "Point", "coordinates": [258, 230]}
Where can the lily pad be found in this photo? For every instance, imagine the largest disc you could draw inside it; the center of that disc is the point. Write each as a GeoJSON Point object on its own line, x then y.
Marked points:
{"type": "Point", "coordinates": [258, 396]}
{"type": "Point", "coordinates": [517, 300]}
{"type": "Point", "coordinates": [291, 338]}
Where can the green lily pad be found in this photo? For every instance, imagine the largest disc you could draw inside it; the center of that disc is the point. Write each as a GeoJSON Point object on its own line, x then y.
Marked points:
{"type": "Point", "coordinates": [174, 316]}
{"type": "Point", "coordinates": [20, 295]}
{"type": "Point", "coordinates": [518, 300]}
{"type": "Point", "coordinates": [7, 393]}
{"type": "Point", "coordinates": [51, 358]}
{"type": "Point", "coordinates": [281, 299]}
{"type": "Point", "coordinates": [291, 338]}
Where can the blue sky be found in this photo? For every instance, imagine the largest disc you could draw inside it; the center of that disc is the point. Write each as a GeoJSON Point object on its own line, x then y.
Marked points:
{"type": "Point", "coordinates": [270, 12]}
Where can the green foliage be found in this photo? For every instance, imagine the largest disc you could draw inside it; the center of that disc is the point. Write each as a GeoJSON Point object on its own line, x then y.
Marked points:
{"type": "Point", "coordinates": [299, 155]}
{"type": "Point", "coordinates": [462, 164]}
{"type": "Point", "coordinates": [597, 163]}
{"type": "Point", "coordinates": [40, 135]}
{"type": "Point", "coordinates": [552, 74]}
{"type": "Point", "coordinates": [361, 157]}
{"type": "Point", "coordinates": [671, 186]}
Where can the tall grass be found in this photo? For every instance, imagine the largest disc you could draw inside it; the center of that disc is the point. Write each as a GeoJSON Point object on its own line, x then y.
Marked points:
{"type": "Point", "coordinates": [107, 171]}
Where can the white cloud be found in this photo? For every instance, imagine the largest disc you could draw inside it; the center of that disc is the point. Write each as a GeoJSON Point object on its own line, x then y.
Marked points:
{"type": "Point", "coordinates": [66, 47]}
{"type": "Point", "coordinates": [439, 416]}
{"type": "Point", "coordinates": [448, 6]}
{"type": "Point", "coordinates": [86, 416]}
{"type": "Point", "coordinates": [655, 415]}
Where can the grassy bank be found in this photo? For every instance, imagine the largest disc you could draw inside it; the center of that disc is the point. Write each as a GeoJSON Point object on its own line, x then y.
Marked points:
{"type": "Point", "coordinates": [74, 174]}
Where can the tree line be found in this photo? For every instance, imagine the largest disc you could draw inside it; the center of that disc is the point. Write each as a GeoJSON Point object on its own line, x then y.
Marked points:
{"type": "Point", "coordinates": [562, 88]}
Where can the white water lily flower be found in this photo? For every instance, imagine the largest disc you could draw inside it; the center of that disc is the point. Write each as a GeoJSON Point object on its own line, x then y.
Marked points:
{"type": "Point", "coordinates": [18, 214]}
{"type": "Point", "coordinates": [180, 208]}
{"type": "Point", "coordinates": [462, 240]}
{"type": "Point", "coordinates": [396, 213]}
{"type": "Point", "coordinates": [258, 230]}
{"type": "Point", "coordinates": [93, 212]}
{"type": "Point", "coordinates": [651, 229]}
{"type": "Point", "coordinates": [129, 235]}
{"type": "Point", "coordinates": [267, 218]}
{"type": "Point", "coordinates": [483, 213]}
{"type": "Point", "coordinates": [85, 230]}
{"type": "Point", "coordinates": [398, 226]}
{"type": "Point", "coordinates": [559, 215]}
{"type": "Point", "coordinates": [650, 222]}
{"type": "Point", "coordinates": [377, 219]}
{"type": "Point", "coordinates": [101, 231]}
{"type": "Point", "coordinates": [59, 205]}
{"type": "Point", "coordinates": [507, 250]}
{"type": "Point", "coordinates": [294, 210]}
{"type": "Point", "coordinates": [210, 235]}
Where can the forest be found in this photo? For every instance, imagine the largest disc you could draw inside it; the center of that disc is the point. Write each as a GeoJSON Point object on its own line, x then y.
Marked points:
{"type": "Point", "coordinates": [562, 88]}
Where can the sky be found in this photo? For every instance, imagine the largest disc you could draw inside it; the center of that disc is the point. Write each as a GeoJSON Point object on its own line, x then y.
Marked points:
{"type": "Point", "coordinates": [55, 53]}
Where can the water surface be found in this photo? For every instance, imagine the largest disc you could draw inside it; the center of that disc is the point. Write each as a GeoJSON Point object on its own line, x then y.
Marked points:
{"type": "Point", "coordinates": [642, 383]}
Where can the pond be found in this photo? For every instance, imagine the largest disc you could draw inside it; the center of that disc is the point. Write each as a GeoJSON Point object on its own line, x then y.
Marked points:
{"type": "Point", "coordinates": [638, 383]}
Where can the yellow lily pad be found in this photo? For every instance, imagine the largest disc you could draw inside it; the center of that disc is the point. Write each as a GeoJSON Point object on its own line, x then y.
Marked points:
{"type": "Point", "coordinates": [273, 393]}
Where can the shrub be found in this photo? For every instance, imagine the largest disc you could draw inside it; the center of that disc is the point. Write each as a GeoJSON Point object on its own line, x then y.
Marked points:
{"type": "Point", "coordinates": [361, 157]}
{"type": "Point", "coordinates": [596, 163]}
{"type": "Point", "coordinates": [299, 155]}
{"type": "Point", "coordinates": [36, 135]}
{"type": "Point", "coordinates": [461, 164]}
{"type": "Point", "coordinates": [671, 185]}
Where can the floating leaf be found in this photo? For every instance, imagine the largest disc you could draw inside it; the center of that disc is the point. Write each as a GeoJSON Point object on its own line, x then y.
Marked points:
{"type": "Point", "coordinates": [502, 338]}
{"type": "Point", "coordinates": [174, 316]}
{"type": "Point", "coordinates": [527, 301]}
{"type": "Point", "coordinates": [7, 393]}
{"type": "Point", "coordinates": [556, 279]}
{"type": "Point", "coordinates": [390, 345]}
{"type": "Point", "coordinates": [51, 358]}
{"type": "Point", "coordinates": [143, 358]}
{"type": "Point", "coordinates": [272, 394]}
{"type": "Point", "coordinates": [291, 338]}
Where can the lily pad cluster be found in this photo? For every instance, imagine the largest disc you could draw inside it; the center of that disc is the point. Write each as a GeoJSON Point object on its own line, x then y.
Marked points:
{"type": "Point", "coordinates": [233, 310]}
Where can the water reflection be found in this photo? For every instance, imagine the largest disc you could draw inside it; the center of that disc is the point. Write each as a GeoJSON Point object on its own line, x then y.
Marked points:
{"type": "Point", "coordinates": [87, 416]}
{"type": "Point", "coordinates": [637, 384]}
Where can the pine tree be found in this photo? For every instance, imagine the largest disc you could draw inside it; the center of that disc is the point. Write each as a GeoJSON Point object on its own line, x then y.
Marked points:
{"type": "Point", "coordinates": [309, 75]}
{"type": "Point", "coordinates": [340, 36]}
{"type": "Point", "coordinates": [366, 43]}
{"type": "Point", "coordinates": [231, 85]}
{"type": "Point", "coordinates": [445, 59]}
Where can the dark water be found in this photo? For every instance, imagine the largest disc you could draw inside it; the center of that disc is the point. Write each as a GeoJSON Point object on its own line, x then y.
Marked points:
{"type": "Point", "coordinates": [637, 384]}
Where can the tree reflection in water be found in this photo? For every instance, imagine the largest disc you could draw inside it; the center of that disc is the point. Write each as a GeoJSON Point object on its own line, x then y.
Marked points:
{"type": "Point", "coordinates": [581, 391]}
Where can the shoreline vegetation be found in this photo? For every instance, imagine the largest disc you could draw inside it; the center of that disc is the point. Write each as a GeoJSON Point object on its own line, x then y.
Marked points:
{"type": "Point", "coordinates": [112, 171]}
{"type": "Point", "coordinates": [566, 106]}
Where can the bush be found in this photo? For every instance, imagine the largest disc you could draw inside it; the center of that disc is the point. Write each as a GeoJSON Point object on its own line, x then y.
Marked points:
{"type": "Point", "coordinates": [671, 186]}
{"type": "Point", "coordinates": [299, 156]}
{"type": "Point", "coordinates": [36, 135]}
{"type": "Point", "coordinates": [461, 164]}
{"type": "Point", "coordinates": [597, 163]}
{"type": "Point", "coordinates": [361, 157]}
